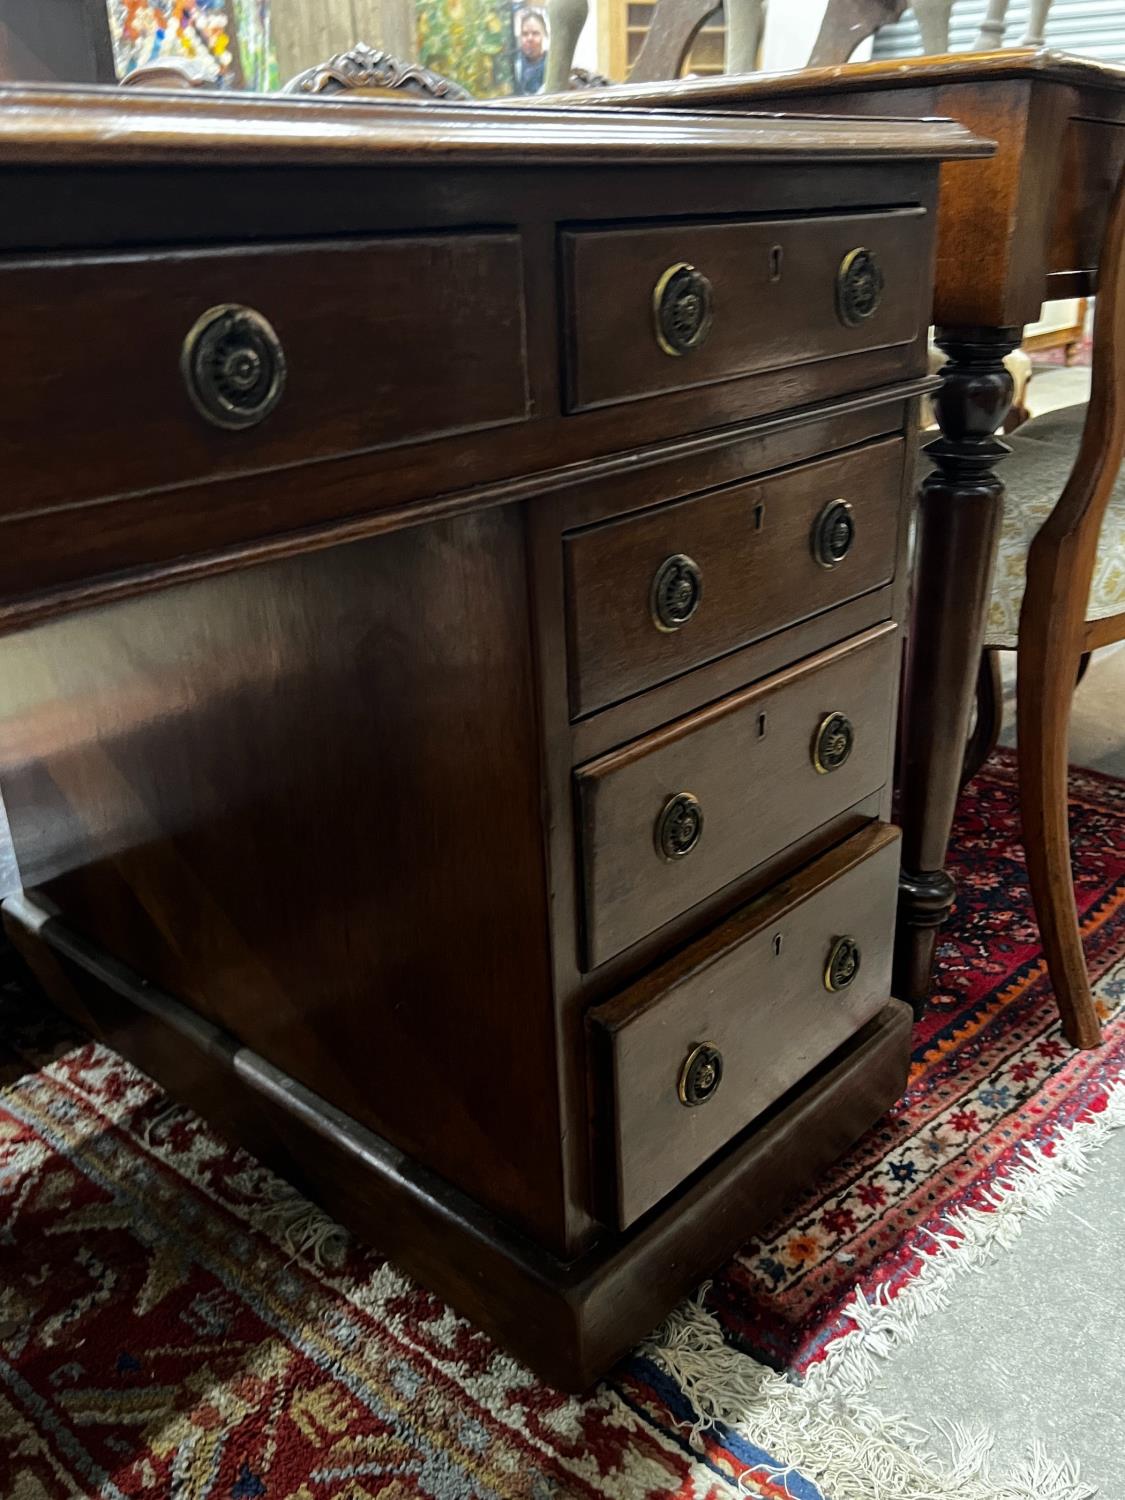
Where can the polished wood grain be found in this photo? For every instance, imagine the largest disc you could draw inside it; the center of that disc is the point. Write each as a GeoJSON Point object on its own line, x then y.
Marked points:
{"type": "Point", "coordinates": [755, 990]}
{"type": "Point", "coordinates": [749, 762]}
{"type": "Point", "coordinates": [48, 126]}
{"type": "Point", "coordinates": [345, 314]}
{"type": "Point", "coordinates": [774, 286]}
{"type": "Point", "coordinates": [569, 1319]}
{"type": "Point", "coordinates": [289, 741]}
{"type": "Point", "coordinates": [753, 545]}
{"type": "Point", "coordinates": [211, 761]}
{"type": "Point", "coordinates": [1014, 229]}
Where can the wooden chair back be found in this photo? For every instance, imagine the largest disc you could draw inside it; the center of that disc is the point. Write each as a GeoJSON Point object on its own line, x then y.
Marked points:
{"type": "Point", "coordinates": [1062, 556]}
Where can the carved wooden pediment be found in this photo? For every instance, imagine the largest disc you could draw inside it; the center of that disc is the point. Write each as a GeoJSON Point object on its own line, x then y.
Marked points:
{"type": "Point", "coordinates": [369, 70]}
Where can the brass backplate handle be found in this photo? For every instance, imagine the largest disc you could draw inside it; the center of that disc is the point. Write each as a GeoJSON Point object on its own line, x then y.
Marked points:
{"type": "Point", "coordinates": [701, 1072]}
{"type": "Point", "coordinates": [679, 826]}
{"type": "Point", "coordinates": [233, 365]}
{"type": "Point", "coordinates": [859, 286]}
{"type": "Point", "coordinates": [683, 309]}
{"type": "Point", "coordinates": [843, 964]}
{"type": "Point", "coordinates": [832, 743]}
{"type": "Point", "coordinates": [676, 592]}
{"type": "Point", "coordinates": [833, 534]}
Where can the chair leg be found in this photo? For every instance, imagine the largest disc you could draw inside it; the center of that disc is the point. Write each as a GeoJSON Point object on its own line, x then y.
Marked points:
{"type": "Point", "coordinates": [1045, 687]}
{"type": "Point", "coordinates": [990, 716]}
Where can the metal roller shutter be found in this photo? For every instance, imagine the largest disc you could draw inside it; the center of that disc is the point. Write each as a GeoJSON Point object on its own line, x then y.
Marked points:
{"type": "Point", "coordinates": [1093, 28]}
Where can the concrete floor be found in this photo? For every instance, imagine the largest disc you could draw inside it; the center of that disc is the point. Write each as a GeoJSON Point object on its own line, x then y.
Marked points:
{"type": "Point", "coordinates": [1032, 1347]}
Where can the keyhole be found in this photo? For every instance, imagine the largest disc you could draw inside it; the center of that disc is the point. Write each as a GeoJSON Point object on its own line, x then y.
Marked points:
{"type": "Point", "coordinates": [761, 726]}
{"type": "Point", "coordinates": [759, 515]}
{"type": "Point", "coordinates": [777, 945]}
{"type": "Point", "coordinates": [775, 263]}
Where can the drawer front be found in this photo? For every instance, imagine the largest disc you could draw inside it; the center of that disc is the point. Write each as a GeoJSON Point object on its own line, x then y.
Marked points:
{"type": "Point", "coordinates": [669, 306]}
{"type": "Point", "coordinates": [674, 817]}
{"type": "Point", "coordinates": [663, 590]}
{"type": "Point", "coordinates": [694, 1052]}
{"type": "Point", "coordinates": [122, 373]}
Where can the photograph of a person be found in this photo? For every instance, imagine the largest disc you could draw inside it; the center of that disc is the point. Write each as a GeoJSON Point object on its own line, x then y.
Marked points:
{"type": "Point", "coordinates": [531, 54]}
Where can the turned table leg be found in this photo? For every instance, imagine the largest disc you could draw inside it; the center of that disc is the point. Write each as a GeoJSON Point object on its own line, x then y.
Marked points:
{"type": "Point", "coordinates": [959, 511]}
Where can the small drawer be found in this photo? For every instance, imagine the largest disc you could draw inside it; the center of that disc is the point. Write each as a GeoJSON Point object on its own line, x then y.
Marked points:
{"type": "Point", "coordinates": [219, 362]}
{"type": "Point", "coordinates": [670, 306]}
{"type": "Point", "coordinates": [669, 819]}
{"type": "Point", "coordinates": [693, 1052]}
{"type": "Point", "coordinates": [663, 590]}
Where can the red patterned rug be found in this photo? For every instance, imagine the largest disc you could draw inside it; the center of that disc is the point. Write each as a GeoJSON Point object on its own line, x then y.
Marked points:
{"type": "Point", "coordinates": [176, 1322]}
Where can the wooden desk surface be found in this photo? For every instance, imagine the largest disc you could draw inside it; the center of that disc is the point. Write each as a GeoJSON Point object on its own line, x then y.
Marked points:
{"type": "Point", "coordinates": [1013, 230]}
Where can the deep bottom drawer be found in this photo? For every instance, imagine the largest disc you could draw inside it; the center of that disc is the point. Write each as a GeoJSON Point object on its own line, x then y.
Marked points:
{"type": "Point", "coordinates": [693, 1052]}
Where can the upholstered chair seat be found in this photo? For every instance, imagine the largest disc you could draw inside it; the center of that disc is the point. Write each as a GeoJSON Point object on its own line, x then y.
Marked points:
{"type": "Point", "coordinates": [1043, 453]}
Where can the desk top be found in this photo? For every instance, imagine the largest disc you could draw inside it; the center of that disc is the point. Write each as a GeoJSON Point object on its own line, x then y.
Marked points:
{"type": "Point", "coordinates": [1008, 64]}
{"type": "Point", "coordinates": [79, 127]}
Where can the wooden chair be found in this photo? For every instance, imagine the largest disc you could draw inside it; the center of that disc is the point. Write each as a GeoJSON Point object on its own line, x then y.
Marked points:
{"type": "Point", "coordinates": [1058, 594]}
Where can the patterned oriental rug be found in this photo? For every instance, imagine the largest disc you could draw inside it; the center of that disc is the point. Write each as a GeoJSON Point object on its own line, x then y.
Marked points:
{"type": "Point", "coordinates": [174, 1321]}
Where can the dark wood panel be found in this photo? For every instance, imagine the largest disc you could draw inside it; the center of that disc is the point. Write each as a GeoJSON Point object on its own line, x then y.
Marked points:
{"type": "Point", "coordinates": [754, 993]}
{"type": "Point", "coordinates": [748, 761]}
{"type": "Point", "coordinates": [305, 799]}
{"type": "Point", "coordinates": [98, 344]}
{"type": "Point", "coordinates": [755, 570]}
{"type": "Point", "coordinates": [774, 291]}
{"type": "Point", "coordinates": [568, 1320]}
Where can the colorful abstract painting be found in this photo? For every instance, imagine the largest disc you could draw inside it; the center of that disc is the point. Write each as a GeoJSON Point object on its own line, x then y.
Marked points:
{"type": "Point", "coordinates": [470, 41]}
{"type": "Point", "coordinates": [230, 38]}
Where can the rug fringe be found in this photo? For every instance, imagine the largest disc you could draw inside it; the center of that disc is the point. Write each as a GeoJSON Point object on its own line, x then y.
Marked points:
{"type": "Point", "coordinates": [302, 1227]}
{"type": "Point", "coordinates": [824, 1429]}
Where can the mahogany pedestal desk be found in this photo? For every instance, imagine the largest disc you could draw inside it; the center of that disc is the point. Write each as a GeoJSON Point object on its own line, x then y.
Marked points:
{"type": "Point", "coordinates": [449, 599]}
{"type": "Point", "coordinates": [1015, 230]}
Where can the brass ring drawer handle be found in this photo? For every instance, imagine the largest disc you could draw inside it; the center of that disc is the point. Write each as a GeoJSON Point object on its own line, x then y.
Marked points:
{"type": "Point", "coordinates": [679, 826]}
{"type": "Point", "coordinates": [833, 534]}
{"type": "Point", "coordinates": [233, 366]}
{"type": "Point", "coordinates": [843, 964]}
{"type": "Point", "coordinates": [701, 1072]}
{"type": "Point", "coordinates": [833, 742]}
{"type": "Point", "coordinates": [683, 309]}
{"type": "Point", "coordinates": [676, 593]}
{"type": "Point", "coordinates": [859, 287]}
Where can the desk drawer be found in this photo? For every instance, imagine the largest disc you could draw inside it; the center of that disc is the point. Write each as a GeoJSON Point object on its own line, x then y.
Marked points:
{"type": "Point", "coordinates": [663, 590]}
{"type": "Point", "coordinates": [691, 1054]}
{"type": "Point", "coordinates": [677, 815]}
{"type": "Point", "coordinates": [121, 373]}
{"type": "Point", "coordinates": [670, 306]}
